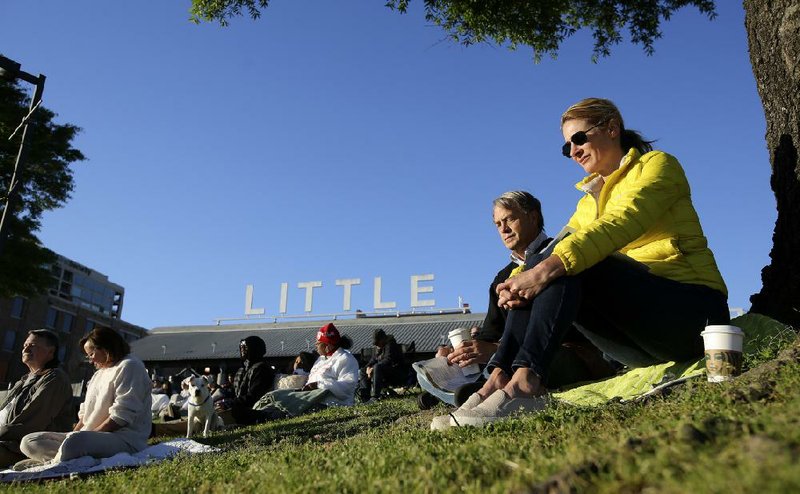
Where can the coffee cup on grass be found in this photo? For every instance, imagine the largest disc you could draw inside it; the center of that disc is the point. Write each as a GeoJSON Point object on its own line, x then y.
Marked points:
{"type": "Point", "coordinates": [723, 347]}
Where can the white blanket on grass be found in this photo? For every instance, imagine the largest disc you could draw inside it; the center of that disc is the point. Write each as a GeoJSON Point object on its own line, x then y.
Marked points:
{"type": "Point", "coordinates": [87, 465]}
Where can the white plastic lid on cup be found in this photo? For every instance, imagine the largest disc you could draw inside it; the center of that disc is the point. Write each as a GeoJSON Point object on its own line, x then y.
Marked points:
{"type": "Point", "coordinates": [723, 337]}
{"type": "Point", "coordinates": [458, 336]}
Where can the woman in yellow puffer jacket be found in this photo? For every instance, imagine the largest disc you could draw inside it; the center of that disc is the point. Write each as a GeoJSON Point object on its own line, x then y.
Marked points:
{"type": "Point", "coordinates": [635, 276]}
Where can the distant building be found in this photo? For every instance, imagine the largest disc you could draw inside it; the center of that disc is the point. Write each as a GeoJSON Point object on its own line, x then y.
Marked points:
{"type": "Point", "coordinates": [79, 299]}
{"type": "Point", "coordinates": [169, 350]}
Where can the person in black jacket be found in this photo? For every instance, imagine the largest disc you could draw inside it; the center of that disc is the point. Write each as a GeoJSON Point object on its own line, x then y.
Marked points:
{"type": "Point", "coordinates": [387, 367]}
{"type": "Point", "coordinates": [517, 215]}
{"type": "Point", "coordinates": [252, 381]}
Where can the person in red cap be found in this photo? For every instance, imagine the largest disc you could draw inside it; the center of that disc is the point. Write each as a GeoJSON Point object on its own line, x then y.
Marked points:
{"type": "Point", "coordinates": [336, 369]}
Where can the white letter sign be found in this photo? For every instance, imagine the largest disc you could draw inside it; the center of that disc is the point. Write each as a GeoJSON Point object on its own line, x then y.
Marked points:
{"type": "Point", "coordinates": [377, 297]}
{"type": "Point", "coordinates": [284, 296]}
{"type": "Point", "coordinates": [416, 290]}
{"type": "Point", "coordinates": [309, 286]}
{"type": "Point", "coordinates": [348, 285]}
{"type": "Point", "coordinates": [248, 303]}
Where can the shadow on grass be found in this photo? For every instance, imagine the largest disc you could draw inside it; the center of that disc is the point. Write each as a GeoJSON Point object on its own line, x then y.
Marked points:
{"type": "Point", "coordinates": [323, 426]}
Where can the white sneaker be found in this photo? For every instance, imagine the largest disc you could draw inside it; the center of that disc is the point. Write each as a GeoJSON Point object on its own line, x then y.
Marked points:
{"type": "Point", "coordinates": [498, 405]}
{"type": "Point", "coordinates": [473, 401]}
{"type": "Point", "coordinates": [442, 422]}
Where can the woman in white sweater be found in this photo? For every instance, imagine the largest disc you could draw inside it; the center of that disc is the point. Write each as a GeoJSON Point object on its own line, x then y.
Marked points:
{"type": "Point", "coordinates": [114, 418]}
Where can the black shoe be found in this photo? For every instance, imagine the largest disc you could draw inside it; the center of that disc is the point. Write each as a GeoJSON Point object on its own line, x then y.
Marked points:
{"type": "Point", "coordinates": [426, 401]}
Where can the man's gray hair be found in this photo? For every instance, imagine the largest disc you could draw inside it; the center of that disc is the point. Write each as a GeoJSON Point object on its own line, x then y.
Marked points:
{"type": "Point", "coordinates": [520, 200]}
{"type": "Point", "coordinates": [51, 339]}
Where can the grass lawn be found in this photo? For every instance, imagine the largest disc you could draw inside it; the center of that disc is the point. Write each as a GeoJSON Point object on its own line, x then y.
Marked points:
{"type": "Point", "coordinates": [742, 436]}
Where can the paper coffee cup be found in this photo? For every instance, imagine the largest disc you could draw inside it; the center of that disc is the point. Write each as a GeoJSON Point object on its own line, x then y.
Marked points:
{"type": "Point", "coordinates": [723, 345]}
{"type": "Point", "coordinates": [457, 337]}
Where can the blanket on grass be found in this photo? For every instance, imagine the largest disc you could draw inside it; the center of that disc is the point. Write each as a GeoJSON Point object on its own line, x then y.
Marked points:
{"type": "Point", "coordinates": [86, 465]}
{"type": "Point", "coordinates": [292, 402]}
{"type": "Point", "coordinates": [760, 332]}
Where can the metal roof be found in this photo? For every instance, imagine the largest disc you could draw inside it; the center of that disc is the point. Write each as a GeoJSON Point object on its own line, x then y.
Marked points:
{"type": "Point", "coordinates": [289, 339]}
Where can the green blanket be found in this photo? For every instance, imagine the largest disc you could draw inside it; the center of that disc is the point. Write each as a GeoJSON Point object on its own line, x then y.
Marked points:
{"type": "Point", "coordinates": [291, 401]}
{"type": "Point", "coordinates": [759, 331]}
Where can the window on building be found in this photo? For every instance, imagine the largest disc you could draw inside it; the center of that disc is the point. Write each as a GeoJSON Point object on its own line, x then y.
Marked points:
{"type": "Point", "coordinates": [8, 341]}
{"type": "Point", "coordinates": [88, 327]}
{"type": "Point", "coordinates": [62, 353]}
{"type": "Point", "coordinates": [52, 315]}
{"type": "Point", "coordinates": [17, 307]}
{"type": "Point", "coordinates": [66, 322]}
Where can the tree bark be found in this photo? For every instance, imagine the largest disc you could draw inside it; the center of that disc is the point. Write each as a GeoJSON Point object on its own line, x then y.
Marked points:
{"type": "Point", "coordinates": [773, 33]}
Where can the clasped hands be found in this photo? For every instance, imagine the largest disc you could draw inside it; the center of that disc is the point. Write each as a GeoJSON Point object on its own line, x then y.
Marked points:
{"type": "Point", "coordinates": [519, 290]}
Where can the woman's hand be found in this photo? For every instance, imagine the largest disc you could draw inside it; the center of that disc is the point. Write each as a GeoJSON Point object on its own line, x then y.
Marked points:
{"type": "Point", "coordinates": [522, 288]}
{"type": "Point", "coordinates": [109, 425]}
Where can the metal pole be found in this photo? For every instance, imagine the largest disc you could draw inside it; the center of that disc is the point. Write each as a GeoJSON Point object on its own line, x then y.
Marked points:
{"type": "Point", "coordinates": [22, 155]}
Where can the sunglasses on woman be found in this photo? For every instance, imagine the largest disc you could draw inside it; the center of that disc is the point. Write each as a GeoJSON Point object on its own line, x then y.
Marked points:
{"type": "Point", "coordinates": [578, 138]}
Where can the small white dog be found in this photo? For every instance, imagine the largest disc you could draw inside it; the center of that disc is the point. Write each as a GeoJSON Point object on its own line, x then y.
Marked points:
{"type": "Point", "coordinates": [201, 407]}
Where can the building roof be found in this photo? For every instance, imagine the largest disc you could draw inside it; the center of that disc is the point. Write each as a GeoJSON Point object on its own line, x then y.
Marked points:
{"type": "Point", "coordinates": [289, 339]}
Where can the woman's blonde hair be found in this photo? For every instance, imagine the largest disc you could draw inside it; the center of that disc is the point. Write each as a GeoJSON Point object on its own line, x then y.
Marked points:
{"type": "Point", "coordinates": [598, 111]}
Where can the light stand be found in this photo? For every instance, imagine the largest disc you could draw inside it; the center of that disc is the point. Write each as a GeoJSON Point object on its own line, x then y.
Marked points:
{"type": "Point", "coordinates": [11, 70]}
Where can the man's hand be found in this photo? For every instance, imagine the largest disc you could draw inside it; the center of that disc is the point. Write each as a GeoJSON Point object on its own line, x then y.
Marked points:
{"type": "Point", "coordinates": [521, 289]}
{"type": "Point", "coordinates": [369, 372]}
{"type": "Point", "coordinates": [444, 350]}
{"type": "Point", "coordinates": [472, 352]}
{"type": "Point", "coordinates": [309, 387]}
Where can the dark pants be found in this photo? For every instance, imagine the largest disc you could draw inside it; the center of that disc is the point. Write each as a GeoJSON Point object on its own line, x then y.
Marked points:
{"type": "Point", "coordinates": [9, 454]}
{"type": "Point", "coordinates": [633, 316]}
{"type": "Point", "coordinates": [244, 414]}
{"type": "Point", "coordinates": [383, 374]}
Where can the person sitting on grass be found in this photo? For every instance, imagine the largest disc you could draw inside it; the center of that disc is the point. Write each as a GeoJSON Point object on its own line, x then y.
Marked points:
{"type": "Point", "coordinates": [636, 276]}
{"type": "Point", "coordinates": [332, 381]}
{"type": "Point", "coordinates": [387, 367]}
{"type": "Point", "coordinates": [298, 372]}
{"type": "Point", "coordinates": [39, 401]}
{"type": "Point", "coordinates": [303, 363]}
{"type": "Point", "coordinates": [517, 216]}
{"type": "Point", "coordinates": [251, 382]}
{"type": "Point", "coordinates": [336, 369]}
{"type": "Point", "coordinates": [114, 418]}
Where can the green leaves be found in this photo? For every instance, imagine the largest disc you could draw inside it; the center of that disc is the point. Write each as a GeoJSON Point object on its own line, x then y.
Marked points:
{"type": "Point", "coordinates": [540, 24]}
{"type": "Point", "coordinates": [222, 10]}
{"type": "Point", "coordinates": [45, 182]}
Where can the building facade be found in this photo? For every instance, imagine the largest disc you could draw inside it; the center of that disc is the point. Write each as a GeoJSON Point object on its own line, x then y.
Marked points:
{"type": "Point", "coordinates": [78, 299]}
{"type": "Point", "coordinates": [172, 351]}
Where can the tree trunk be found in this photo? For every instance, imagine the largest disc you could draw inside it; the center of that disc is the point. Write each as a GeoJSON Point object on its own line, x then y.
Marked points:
{"type": "Point", "coordinates": [773, 33]}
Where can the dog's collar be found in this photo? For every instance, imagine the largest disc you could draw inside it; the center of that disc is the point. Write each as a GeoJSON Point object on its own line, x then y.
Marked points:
{"type": "Point", "coordinates": [200, 404]}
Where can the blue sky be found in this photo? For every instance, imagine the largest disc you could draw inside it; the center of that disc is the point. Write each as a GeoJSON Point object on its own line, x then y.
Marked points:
{"type": "Point", "coordinates": [333, 140]}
